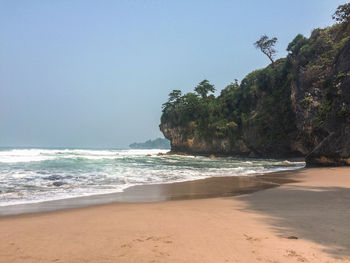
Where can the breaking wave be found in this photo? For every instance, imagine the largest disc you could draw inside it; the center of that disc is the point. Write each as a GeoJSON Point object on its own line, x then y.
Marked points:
{"type": "Point", "coordinates": [36, 175]}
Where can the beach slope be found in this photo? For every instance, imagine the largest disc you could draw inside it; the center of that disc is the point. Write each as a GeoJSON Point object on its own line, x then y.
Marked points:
{"type": "Point", "coordinates": [303, 221]}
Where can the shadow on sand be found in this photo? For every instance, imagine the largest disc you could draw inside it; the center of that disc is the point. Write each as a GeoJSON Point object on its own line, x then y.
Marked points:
{"type": "Point", "coordinates": [319, 214]}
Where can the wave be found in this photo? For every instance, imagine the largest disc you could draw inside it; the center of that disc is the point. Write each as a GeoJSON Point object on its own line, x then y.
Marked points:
{"type": "Point", "coordinates": [38, 155]}
{"type": "Point", "coordinates": [19, 198]}
{"type": "Point", "coordinates": [35, 175]}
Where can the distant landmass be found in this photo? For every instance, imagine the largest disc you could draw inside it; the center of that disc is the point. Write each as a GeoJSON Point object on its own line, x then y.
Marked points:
{"type": "Point", "coordinates": [159, 143]}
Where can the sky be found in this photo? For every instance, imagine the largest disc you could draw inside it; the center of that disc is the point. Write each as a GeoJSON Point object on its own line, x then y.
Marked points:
{"type": "Point", "coordinates": [94, 74]}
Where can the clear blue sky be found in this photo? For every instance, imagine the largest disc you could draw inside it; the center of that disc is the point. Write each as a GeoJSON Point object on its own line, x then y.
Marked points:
{"type": "Point", "coordinates": [95, 73]}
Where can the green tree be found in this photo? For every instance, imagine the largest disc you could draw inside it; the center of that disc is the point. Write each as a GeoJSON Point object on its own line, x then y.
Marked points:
{"type": "Point", "coordinates": [175, 95]}
{"type": "Point", "coordinates": [174, 99]}
{"type": "Point", "coordinates": [342, 14]}
{"type": "Point", "coordinates": [203, 88]}
{"type": "Point", "coordinates": [266, 45]}
{"type": "Point", "coordinates": [296, 44]}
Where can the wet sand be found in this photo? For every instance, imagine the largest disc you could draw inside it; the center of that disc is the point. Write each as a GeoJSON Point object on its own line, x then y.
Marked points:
{"type": "Point", "coordinates": [305, 220]}
{"type": "Point", "coordinates": [203, 188]}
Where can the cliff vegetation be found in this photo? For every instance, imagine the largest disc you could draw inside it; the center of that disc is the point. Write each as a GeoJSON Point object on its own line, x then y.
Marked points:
{"type": "Point", "coordinates": [296, 106]}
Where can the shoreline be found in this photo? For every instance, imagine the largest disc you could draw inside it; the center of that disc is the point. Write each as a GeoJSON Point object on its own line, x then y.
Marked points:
{"type": "Point", "coordinates": [293, 157]}
{"type": "Point", "coordinates": [304, 220]}
{"type": "Point", "coordinates": [211, 187]}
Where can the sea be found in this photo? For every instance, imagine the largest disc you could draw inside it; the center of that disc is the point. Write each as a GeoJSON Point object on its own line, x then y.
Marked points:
{"type": "Point", "coordinates": [36, 175]}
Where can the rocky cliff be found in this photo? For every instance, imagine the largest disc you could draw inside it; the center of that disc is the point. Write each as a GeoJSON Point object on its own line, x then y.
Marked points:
{"type": "Point", "coordinates": [321, 102]}
{"type": "Point", "coordinates": [300, 106]}
{"type": "Point", "coordinates": [184, 142]}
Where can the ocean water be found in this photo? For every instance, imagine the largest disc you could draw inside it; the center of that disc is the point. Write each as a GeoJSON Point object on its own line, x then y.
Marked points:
{"type": "Point", "coordinates": [36, 175]}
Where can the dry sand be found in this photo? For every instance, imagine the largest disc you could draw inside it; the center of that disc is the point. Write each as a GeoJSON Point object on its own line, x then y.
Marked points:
{"type": "Point", "coordinates": [303, 221]}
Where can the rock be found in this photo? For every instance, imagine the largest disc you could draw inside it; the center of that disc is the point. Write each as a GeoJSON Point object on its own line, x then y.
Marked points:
{"type": "Point", "coordinates": [332, 151]}
{"type": "Point", "coordinates": [212, 156]}
{"type": "Point", "coordinates": [325, 137]}
{"type": "Point", "coordinates": [58, 184]}
{"type": "Point", "coordinates": [148, 155]}
{"type": "Point", "coordinates": [292, 237]}
{"type": "Point", "coordinates": [183, 142]}
{"type": "Point", "coordinates": [53, 177]}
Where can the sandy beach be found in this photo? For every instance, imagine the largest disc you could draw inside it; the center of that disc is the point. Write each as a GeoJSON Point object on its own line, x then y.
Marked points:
{"type": "Point", "coordinates": [307, 219]}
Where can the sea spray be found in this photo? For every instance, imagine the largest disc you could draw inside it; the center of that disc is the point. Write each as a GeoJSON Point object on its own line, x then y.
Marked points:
{"type": "Point", "coordinates": [37, 175]}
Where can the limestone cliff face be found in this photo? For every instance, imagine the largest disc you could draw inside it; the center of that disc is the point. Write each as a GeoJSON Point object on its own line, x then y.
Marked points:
{"type": "Point", "coordinates": [184, 141]}
{"type": "Point", "coordinates": [272, 137]}
{"type": "Point", "coordinates": [322, 113]}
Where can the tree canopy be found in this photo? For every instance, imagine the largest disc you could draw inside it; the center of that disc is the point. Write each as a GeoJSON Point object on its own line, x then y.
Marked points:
{"type": "Point", "coordinates": [203, 88]}
{"type": "Point", "coordinates": [175, 95]}
{"type": "Point", "coordinates": [266, 45]}
{"type": "Point", "coordinates": [342, 14]}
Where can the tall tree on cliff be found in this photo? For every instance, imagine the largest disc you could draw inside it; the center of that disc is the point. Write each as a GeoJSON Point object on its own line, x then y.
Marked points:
{"type": "Point", "coordinates": [203, 88]}
{"type": "Point", "coordinates": [266, 45]}
{"type": "Point", "coordinates": [174, 99]}
{"type": "Point", "coordinates": [342, 14]}
{"type": "Point", "coordinates": [175, 95]}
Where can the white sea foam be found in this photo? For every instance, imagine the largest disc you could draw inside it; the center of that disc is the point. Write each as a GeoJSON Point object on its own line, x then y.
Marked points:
{"type": "Point", "coordinates": [36, 175]}
{"type": "Point", "coordinates": [38, 155]}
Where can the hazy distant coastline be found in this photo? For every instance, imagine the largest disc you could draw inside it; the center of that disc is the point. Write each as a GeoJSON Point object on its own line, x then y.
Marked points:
{"type": "Point", "coordinates": [159, 143]}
